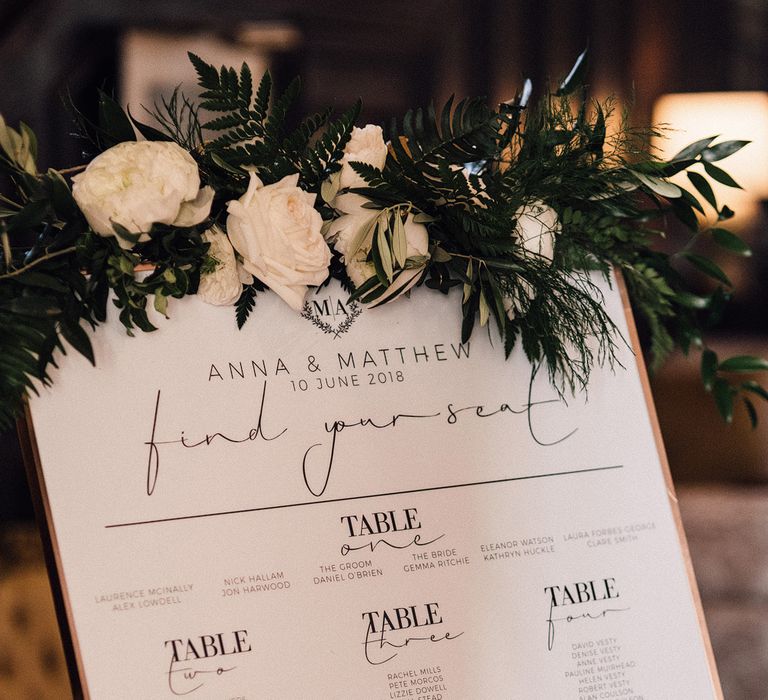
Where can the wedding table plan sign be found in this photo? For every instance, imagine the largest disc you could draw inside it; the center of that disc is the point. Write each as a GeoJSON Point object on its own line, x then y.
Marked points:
{"type": "Point", "coordinates": [380, 512]}
{"type": "Point", "coordinates": [392, 436]}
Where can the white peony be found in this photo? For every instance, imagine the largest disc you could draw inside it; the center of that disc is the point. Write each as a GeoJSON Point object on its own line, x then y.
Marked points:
{"type": "Point", "coordinates": [359, 270]}
{"type": "Point", "coordinates": [276, 229]}
{"type": "Point", "coordinates": [537, 226]}
{"type": "Point", "coordinates": [365, 145]}
{"type": "Point", "coordinates": [140, 183]}
{"type": "Point", "coordinates": [222, 286]}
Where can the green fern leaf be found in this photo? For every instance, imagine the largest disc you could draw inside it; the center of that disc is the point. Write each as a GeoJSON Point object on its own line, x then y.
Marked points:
{"type": "Point", "coordinates": [245, 305]}
{"type": "Point", "coordinates": [323, 159]}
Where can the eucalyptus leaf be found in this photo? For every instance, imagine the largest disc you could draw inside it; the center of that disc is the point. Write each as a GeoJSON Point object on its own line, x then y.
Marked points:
{"type": "Point", "coordinates": [139, 317]}
{"type": "Point", "coordinates": [723, 399]}
{"type": "Point", "coordinates": [751, 411]}
{"type": "Point", "coordinates": [216, 158]}
{"type": "Point", "coordinates": [124, 233]}
{"type": "Point", "coordinates": [707, 266]}
{"type": "Point", "coordinates": [755, 388]}
{"type": "Point", "coordinates": [691, 199]}
{"type": "Point", "coordinates": [730, 241]}
{"type": "Point", "coordinates": [384, 252]}
{"type": "Point", "coordinates": [6, 139]}
{"type": "Point", "coordinates": [114, 123]}
{"type": "Point", "coordinates": [28, 154]}
{"type": "Point", "coordinates": [468, 319]}
{"type": "Point", "coordinates": [692, 150]}
{"type": "Point", "coordinates": [125, 265]}
{"type": "Point", "coordinates": [484, 310]}
{"type": "Point", "coordinates": [364, 288]}
{"type": "Point", "coordinates": [364, 233]}
{"type": "Point", "coordinates": [720, 175]}
{"type": "Point", "coordinates": [413, 262]}
{"type": "Point", "coordinates": [692, 301]}
{"type": "Point", "coordinates": [399, 242]}
{"type": "Point", "coordinates": [722, 150]}
{"type": "Point", "coordinates": [703, 187]}
{"type": "Point", "coordinates": [61, 197]}
{"type": "Point", "coordinates": [402, 281]}
{"type": "Point", "coordinates": [375, 257]}
{"type": "Point", "coordinates": [708, 368]}
{"type": "Point", "coordinates": [744, 363]}
{"type": "Point", "coordinates": [674, 167]}
{"type": "Point", "coordinates": [725, 213]}
{"type": "Point", "coordinates": [161, 303]}
{"type": "Point", "coordinates": [659, 186]}
{"type": "Point", "coordinates": [439, 255]}
{"type": "Point", "coordinates": [147, 131]}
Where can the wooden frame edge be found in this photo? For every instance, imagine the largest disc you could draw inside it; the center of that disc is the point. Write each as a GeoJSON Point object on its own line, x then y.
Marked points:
{"type": "Point", "coordinates": [672, 496]}
{"type": "Point", "coordinates": [33, 467]}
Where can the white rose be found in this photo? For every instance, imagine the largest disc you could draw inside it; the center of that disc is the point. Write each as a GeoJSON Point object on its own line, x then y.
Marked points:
{"type": "Point", "coordinates": [222, 286]}
{"type": "Point", "coordinates": [537, 226]}
{"type": "Point", "coordinates": [365, 145]}
{"type": "Point", "coordinates": [352, 214]}
{"type": "Point", "coordinates": [140, 183]}
{"type": "Point", "coordinates": [359, 269]}
{"type": "Point", "coordinates": [276, 229]}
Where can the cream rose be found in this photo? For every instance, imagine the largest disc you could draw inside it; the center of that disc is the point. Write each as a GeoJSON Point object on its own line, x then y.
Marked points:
{"type": "Point", "coordinates": [223, 285]}
{"type": "Point", "coordinates": [276, 229]}
{"type": "Point", "coordinates": [537, 226]}
{"type": "Point", "coordinates": [365, 145]}
{"type": "Point", "coordinates": [140, 183]}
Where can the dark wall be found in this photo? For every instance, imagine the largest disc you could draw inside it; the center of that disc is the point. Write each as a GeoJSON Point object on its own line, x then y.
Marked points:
{"type": "Point", "coordinates": [394, 55]}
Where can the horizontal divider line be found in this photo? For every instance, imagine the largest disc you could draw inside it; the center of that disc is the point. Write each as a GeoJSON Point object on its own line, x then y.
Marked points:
{"type": "Point", "coordinates": [356, 498]}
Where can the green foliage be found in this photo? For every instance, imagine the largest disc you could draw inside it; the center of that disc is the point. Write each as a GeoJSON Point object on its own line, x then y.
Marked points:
{"type": "Point", "coordinates": [253, 133]}
{"type": "Point", "coordinates": [718, 379]}
{"type": "Point", "coordinates": [247, 301]}
{"type": "Point", "coordinates": [178, 119]}
{"type": "Point", "coordinates": [113, 125]}
{"type": "Point", "coordinates": [470, 169]}
{"type": "Point", "coordinates": [394, 270]}
{"type": "Point", "coordinates": [470, 173]}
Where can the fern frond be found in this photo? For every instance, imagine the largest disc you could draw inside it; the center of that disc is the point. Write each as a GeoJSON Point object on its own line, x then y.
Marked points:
{"type": "Point", "coordinates": [323, 160]}
{"type": "Point", "coordinates": [462, 134]}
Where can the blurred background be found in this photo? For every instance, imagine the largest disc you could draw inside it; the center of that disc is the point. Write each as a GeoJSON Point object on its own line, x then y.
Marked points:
{"type": "Point", "coordinates": [702, 67]}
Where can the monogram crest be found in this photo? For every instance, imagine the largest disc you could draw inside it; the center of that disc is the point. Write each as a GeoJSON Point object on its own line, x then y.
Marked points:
{"type": "Point", "coordinates": [331, 315]}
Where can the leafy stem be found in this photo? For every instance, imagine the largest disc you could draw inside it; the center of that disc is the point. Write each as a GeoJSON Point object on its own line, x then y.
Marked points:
{"type": "Point", "coordinates": [34, 263]}
{"type": "Point", "coordinates": [7, 254]}
{"type": "Point", "coordinates": [73, 169]}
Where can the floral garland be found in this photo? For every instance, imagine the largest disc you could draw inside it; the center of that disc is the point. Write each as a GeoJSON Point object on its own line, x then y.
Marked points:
{"type": "Point", "coordinates": [514, 205]}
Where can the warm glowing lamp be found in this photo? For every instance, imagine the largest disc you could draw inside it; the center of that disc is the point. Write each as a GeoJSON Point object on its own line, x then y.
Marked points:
{"type": "Point", "coordinates": [731, 115]}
